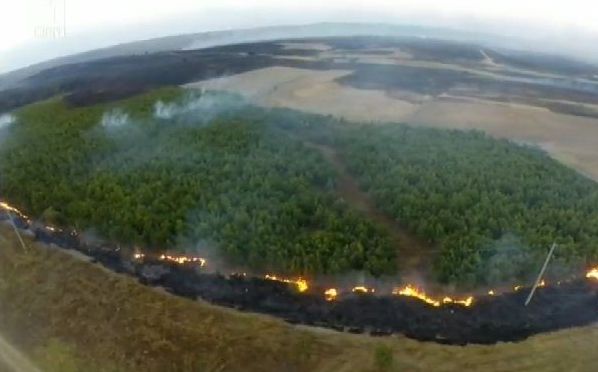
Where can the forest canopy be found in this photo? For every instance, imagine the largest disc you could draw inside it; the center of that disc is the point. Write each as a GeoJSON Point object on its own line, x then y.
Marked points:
{"type": "Point", "coordinates": [171, 170]}
{"type": "Point", "coordinates": [192, 171]}
{"type": "Point", "coordinates": [493, 206]}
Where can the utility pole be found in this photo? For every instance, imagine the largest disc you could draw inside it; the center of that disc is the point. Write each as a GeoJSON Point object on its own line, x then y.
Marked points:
{"type": "Point", "coordinates": [540, 275]}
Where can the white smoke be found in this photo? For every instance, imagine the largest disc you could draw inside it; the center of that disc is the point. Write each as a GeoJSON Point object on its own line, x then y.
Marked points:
{"type": "Point", "coordinates": [165, 110]}
{"type": "Point", "coordinates": [6, 120]}
{"type": "Point", "coordinates": [202, 107]}
{"type": "Point", "coordinates": [202, 104]}
{"type": "Point", "coordinates": [114, 119]}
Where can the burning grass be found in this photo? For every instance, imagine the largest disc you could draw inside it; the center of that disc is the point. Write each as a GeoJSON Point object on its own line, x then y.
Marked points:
{"type": "Point", "coordinates": [412, 291]}
{"type": "Point", "coordinates": [300, 283]}
{"type": "Point", "coordinates": [71, 315]}
{"type": "Point", "coordinates": [112, 318]}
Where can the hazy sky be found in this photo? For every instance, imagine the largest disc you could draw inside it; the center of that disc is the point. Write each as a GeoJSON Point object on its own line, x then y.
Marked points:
{"type": "Point", "coordinates": [33, 29]}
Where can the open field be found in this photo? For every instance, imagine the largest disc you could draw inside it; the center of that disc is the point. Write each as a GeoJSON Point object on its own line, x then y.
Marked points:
{"type": "Point", "coordinates": [568, 138]}
{"type": "Point", "coordinates": [312, 91]}
{"type": "Point", "coordinates": [70, 315]}
{"type": "Point", "coordinates": [550, 101]}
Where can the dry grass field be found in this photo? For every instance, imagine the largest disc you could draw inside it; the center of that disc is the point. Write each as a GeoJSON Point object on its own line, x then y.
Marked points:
{"type": "Point", "coordinates": [570, 139]}
{"type": "Point", "coordinates": [312, 91]}
{"type": "Point", "coordinates": [69, 315]}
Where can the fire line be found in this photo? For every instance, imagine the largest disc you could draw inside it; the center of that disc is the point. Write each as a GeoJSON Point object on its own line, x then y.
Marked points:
{"type": "Point", "coordinates": [302, 285]}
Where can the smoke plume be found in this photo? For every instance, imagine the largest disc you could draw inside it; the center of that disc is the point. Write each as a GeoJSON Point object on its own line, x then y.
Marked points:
{"type": "Point", "coordinates": [114, 119]}
{"type": "Point", "coordinates": [6, 120]}
{"type": "Point", "coordinates": [199, 106]}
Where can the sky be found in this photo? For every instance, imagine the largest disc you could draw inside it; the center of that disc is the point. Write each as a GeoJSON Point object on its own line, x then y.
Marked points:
{"type": "Point", "coordinates": [34, 30]}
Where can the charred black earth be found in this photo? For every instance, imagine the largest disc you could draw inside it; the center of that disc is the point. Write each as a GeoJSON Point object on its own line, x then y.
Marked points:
{"type": "Point", "coordinates": [109, 79]}
{"type": "Point", "coordinates": [489, 320]}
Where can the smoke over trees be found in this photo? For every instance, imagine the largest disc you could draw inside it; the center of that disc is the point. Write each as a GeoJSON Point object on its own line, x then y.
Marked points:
{"type": "Point", "coordinates": [244, 180]}
{"type": "Point", "coordinates": [256, 193]}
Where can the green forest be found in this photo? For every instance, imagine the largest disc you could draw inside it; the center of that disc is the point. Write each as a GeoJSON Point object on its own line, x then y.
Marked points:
{"type": "Point", "coordinates": [257, 194]}
{"type": "Point", "coordinates": [208, 172]}
{"type": "Point", "coordinates": [494, 207]}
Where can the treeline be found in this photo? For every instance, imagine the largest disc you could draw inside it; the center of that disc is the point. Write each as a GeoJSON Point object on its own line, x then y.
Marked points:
{"type": "Point", "coordinates": [201, 179]}
{"type": "Point", "coordinates": [494, 207]}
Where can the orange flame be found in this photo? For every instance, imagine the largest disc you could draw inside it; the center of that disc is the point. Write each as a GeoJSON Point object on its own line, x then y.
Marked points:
{"type": "Point", "coordinates": [362, 289]}
{"type": "Point", "coordinates": [465, 302]}
{"type": "Point", "coordinates": [181, 260]}
{"type": "Point", "coordinates": [592, 274]}
{"type": "Point", "coordinates": [411, 291]}
{"type": "Point", "coordinates": [300, 283]}
{"type": "Point", "coordinates": [14, 210]}
{"type": "Point", "coordinates": [330, 294]}
{"type": "Point", "coordinates": [9, 208]}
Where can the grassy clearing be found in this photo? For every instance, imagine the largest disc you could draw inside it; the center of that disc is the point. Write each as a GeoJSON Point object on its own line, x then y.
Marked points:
{"type": "Point", "coordinates": [68, 315]}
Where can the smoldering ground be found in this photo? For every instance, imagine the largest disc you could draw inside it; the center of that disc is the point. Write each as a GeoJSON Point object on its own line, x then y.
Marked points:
{"type": "Point", "coordinates": [490, 320]}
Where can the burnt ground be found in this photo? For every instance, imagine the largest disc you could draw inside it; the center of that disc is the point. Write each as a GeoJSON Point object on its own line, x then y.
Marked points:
{"type": "Point", "coordinates": [431, 81]}
{"type": "Point", "coordinates": [114, 78]}
{"type": "Point", "coordinates": [491, 319]}
{"type": "Point", "coordinates": [109, 79]}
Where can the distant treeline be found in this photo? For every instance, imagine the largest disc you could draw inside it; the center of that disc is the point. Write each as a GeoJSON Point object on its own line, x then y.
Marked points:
{"type": "Point", "coordinates": [211, 172]}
